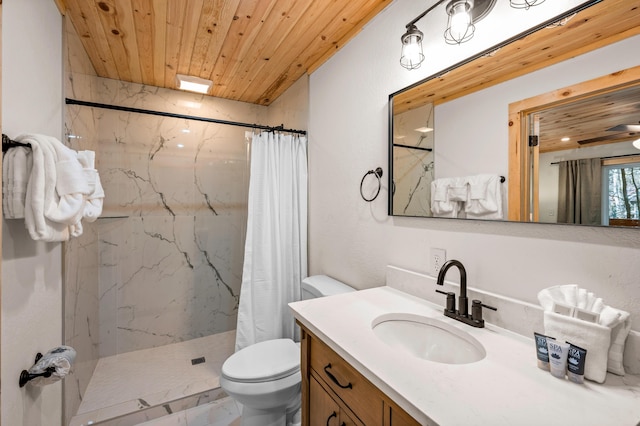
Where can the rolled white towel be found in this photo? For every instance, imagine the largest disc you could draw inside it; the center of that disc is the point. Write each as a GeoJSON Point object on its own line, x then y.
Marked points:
{"type": "Point", "coordinates": [590, 299]}
{"type": "Point", "coordinates": [598, 305]}
{"type": "Point", "coordinates": [582, 298]}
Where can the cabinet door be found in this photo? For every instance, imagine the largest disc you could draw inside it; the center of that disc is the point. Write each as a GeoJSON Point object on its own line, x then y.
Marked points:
{"type": "Point", "coordinates": [323, 410]}
{"type": "Point", "coordinates": [398, 417]}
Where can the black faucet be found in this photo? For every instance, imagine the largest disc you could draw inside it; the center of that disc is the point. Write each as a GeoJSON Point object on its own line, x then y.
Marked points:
{"type": "Point", "coordinates": [462, 314]}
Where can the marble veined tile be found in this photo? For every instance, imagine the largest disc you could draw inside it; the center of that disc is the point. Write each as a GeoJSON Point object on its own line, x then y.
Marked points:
{"type": "Point", "coordinates": [138, 381]}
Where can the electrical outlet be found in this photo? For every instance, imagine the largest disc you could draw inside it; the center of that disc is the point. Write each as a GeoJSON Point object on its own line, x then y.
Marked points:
{"type": "Point", "coordinates": [438, 257]}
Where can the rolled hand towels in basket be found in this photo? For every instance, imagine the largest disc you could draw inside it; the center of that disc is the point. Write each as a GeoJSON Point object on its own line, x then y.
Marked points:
{"type": "Point", "coordinates": [604, 339]}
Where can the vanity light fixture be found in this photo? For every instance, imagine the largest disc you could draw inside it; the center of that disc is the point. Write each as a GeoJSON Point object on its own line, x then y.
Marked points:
{"type": "Point", "coordinates": [525, 4]}
{"type": "Point", "coordinates": [193, 84]}
{"type": "Point", "coordinates": [462, 15]}
{"type": "Point", "coordinates": [412, 57]}
{"type": "Point", "coordinates": [460, 26]}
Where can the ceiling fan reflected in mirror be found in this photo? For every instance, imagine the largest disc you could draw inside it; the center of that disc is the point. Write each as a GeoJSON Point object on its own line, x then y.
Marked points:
{"type": "Point", "coordinates": [625, 128]}
{"type": "Point", "coordinates": [625, 131]}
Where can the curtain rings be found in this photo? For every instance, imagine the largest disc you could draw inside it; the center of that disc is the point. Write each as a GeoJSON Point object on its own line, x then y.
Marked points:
{"type": "Point", "coordinates": [378, 173]}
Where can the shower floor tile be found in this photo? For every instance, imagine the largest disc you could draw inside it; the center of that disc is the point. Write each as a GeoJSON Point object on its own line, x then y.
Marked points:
{"type": "Point", "coordinates": [224, 412]}
{"type": "Point", "coordinates": [135, 381]}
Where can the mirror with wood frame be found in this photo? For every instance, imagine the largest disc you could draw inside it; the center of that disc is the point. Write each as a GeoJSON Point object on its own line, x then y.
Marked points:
{"type": "Point", "coordinates": [577, 79]}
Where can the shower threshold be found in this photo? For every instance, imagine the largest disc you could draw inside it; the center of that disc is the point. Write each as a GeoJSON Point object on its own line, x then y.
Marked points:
{"type": "Point", "coordinates": [133, 387]}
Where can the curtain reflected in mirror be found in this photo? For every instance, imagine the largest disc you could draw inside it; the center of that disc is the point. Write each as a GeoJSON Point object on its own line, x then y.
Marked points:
{"type": "Point", "coordinates": [413, 146]}
{"type": "Point", "coordinates": [579, 191]}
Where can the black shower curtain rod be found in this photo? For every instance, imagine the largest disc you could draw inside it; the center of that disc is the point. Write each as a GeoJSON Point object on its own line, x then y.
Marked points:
{"type": "Point", "coordinates": [186, 117]}
{"type": "Point", "coordinates": [602, 158]}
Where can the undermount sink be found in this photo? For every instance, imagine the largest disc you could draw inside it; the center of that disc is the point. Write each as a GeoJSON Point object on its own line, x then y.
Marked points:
{"type": "Point", "coordinates": [428, 338]}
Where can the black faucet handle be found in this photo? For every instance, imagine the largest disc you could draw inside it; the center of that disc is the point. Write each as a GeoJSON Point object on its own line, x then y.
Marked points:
{"type": "Point", "coordinates": [451, 300]}
{"type": "Point", "coordinates": [476, 310]}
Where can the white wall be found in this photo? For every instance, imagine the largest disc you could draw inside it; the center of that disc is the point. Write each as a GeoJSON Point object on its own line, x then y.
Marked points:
{"type": "Point", "coordinates": [352, 240]}
{"type": "Point", "coordinates": [31, 272]}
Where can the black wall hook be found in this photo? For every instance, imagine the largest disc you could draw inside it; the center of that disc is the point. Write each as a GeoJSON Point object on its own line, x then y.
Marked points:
{"type": "Point", "coordinates": [25, 376]}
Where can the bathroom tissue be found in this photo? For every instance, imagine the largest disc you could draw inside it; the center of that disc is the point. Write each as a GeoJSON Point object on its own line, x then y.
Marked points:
{"type": "Point", "coordinates": [60, 359]}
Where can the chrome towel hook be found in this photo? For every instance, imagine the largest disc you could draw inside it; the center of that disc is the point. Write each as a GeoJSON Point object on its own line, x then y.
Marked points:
{"type": "Point", "coordinates": [378, 173]}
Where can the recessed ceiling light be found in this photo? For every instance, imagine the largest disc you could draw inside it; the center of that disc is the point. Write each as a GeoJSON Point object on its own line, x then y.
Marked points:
{"type": "Point", "coordinates": [565, 139]}
{"type": "Point", "coordinates": [180, 145]}
{"type": "Point", "coordinates": [424, 129]}
{"type": "Point", "coordinates": [186, 131]}
{"type": "Point", "coordinates": [193, 84]}
{"type": "Point", "coordinates": [636, 143]}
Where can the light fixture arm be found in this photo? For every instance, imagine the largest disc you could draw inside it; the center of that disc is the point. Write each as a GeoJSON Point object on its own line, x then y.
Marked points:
{"type": "Point", "coordinates": [423, 14]}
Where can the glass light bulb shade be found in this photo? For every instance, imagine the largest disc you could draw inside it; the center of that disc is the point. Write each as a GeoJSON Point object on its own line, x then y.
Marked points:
{"type": "Point", "coordinates": [525, 4]}
{"type": "Point", "coordinates": [459, 26]}
{"type": "Point", "coordinates": [411, 56]}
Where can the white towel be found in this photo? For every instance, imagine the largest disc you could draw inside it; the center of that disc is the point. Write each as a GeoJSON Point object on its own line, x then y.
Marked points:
{"type": "Point", "coordinates": [595, 338]}
{"type": "Point", "coordinates": [484, 198]}
{"type": "Point", "coordinates": [616, 351]}
{"type": "Point", "coordinates": [458, 191]}
{"type": "Point", "coordinates": [441, 205]}
{"type": "Point", "coordinates": [7, 193]}
{"type": "Point", "coordinates": [615, 320]}
{"type": "Point", "coordinates": [21, 169]}
{"type": "Point", "coordinates": [41, 191]}
{"type": "Point", "coordinates": [71, 186]}
{"type": "Point", "coordinates": [95, 198]}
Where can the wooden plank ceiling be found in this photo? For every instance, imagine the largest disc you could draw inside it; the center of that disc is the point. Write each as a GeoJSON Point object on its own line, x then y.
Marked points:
{"type": "Point", "coordinates": [252, 50]}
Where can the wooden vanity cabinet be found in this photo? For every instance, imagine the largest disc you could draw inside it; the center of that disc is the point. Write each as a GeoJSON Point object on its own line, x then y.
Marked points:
{"type": "Point", "coordinates": [336, 394]}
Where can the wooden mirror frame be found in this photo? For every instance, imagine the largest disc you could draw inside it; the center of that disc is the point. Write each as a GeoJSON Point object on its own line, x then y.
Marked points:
{"type": "Point", "coordinates": [523, 197]}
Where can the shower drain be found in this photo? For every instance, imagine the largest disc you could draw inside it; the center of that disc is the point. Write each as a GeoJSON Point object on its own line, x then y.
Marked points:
{"type": "Point", "coordinates": [196, 361]}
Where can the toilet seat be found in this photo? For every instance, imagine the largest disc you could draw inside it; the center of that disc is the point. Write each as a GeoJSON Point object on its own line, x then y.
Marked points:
{"type": "Point", "coordinates": [263, 362]}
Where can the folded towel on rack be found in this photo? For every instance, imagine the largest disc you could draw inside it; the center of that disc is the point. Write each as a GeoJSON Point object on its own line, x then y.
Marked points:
{"type": "Point", "coordinates": [458, 190]}
{"type": "Point", "coordinates": [484, 198]}
{"type": "Point", "coordinates": [21, 169]}
{"type": "Point", "coordinates": [7, 190]}
{"type": "Point", "coordinates": [71, 186]}
{"type": "Point", "coordinates": [41, 191]}
{"type": "Point", "coordinates": [95, 198]}
{"type": "Point", "coordinates": [441, 204]}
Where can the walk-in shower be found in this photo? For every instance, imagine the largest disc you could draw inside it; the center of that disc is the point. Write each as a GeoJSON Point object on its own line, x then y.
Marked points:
{"type": "Point", "coordinates": [157, 277]}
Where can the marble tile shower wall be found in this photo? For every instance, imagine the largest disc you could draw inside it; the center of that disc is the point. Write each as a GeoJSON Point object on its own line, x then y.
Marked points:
{"type": "Point", "coordinates": [172, 240]}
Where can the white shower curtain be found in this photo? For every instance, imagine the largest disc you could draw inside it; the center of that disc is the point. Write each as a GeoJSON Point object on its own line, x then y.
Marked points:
{"type": "Point", "coordinates": [275, 257]}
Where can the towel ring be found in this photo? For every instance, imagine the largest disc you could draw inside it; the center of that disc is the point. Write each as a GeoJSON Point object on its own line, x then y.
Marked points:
{"type": "Point", "coordinates": [378, 173]}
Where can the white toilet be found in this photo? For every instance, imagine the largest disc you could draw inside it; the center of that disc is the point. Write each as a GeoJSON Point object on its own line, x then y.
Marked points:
{"type": "Point", "coordinates": [265, 377]}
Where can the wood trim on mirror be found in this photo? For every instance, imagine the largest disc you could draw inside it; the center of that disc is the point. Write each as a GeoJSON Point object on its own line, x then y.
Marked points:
{"type": "Point", "coordinates": [520, 156]}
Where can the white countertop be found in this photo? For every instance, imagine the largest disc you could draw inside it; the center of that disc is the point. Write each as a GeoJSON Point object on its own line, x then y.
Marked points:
{"type": "Point", "coordinates": [505, 388]}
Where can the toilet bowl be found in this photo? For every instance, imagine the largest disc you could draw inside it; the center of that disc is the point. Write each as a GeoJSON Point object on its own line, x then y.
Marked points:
{"type": "Point", "coordinates": [265, 377]}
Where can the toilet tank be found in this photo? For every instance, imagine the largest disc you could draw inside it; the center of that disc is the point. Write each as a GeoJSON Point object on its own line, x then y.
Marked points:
{"type": "Point", "coordinates": [321, 285]}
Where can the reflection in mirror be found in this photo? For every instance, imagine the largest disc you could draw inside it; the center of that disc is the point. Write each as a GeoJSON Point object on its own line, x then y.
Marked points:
{"type": "Point", "coordinates": [585, 167]}
{"type": "Point", "coordinates": [413, 161]}
{"type": "Point", "coordinates": [482, 91]}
